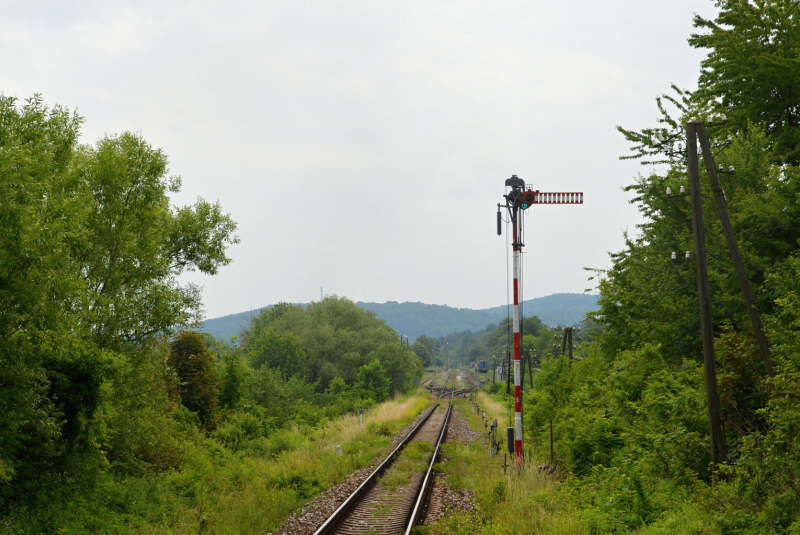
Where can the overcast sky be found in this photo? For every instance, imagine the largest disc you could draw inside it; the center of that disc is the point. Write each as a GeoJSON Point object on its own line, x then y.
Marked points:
{"type": "Point", "coordinates": [362, 146]}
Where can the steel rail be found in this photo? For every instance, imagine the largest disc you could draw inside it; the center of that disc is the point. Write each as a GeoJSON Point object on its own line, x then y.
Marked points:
{"type": "Point", "coordinates": [344, 509]}
{"type": "Point", "coordinates": [423, 491]}
{"type": "Point", "coordinates": [429, 382]}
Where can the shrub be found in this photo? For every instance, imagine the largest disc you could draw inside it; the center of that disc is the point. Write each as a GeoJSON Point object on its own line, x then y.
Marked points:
{"type": "Point", "coordinates": [192, 363]}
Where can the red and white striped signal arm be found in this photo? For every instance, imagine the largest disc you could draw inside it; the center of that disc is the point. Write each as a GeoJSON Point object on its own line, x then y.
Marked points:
{"type": "Point", "coordinates": [547, 197]}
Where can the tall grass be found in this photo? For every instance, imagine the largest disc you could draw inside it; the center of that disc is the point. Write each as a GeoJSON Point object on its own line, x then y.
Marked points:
{"type": "Point", "coordinates": [494, 409]}
{"type": "Point", "coordinates": [262, 492]}
{"type": "Point", "coordinates": [217, 490]}
{"type": "Point", "coordinates": [507, 503]}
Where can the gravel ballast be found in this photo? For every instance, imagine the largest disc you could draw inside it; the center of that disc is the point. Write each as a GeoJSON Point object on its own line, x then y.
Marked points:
{"type": "Point", "coordinates": [311, 516]}
{"type": "Point", "coordinates": [445, 500]}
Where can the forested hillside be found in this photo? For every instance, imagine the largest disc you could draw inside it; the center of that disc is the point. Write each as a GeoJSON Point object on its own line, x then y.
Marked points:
{"type": "Point", "coordinates": [416, 319]}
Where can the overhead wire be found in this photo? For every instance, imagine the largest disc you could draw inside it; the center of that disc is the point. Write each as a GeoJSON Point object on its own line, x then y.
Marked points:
{"type": "Point", "coordinates": [520, 239]}
{"type": "Point", "coordinates": [508, 291]}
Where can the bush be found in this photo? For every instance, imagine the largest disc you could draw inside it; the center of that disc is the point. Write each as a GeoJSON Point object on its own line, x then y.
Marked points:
{"type": "Point", "coordinates": [193, 365]}
{"type": "Point", "coordinates": [372, 382]}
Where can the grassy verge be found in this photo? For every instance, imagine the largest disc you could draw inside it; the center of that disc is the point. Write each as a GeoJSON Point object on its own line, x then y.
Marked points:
{"type": "Point", "coordinates": [218, 491]}
{"type": "Point", "coordinates": [275, 488]}
{"type": "Point", "coordinates": [509, 503]}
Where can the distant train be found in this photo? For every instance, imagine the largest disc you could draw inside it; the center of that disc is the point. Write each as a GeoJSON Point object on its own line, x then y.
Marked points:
{"type": "Point", "coordinates": [482, 367]}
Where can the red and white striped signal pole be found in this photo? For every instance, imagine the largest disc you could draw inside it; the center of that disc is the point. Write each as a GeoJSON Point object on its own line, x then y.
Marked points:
{"type": "Point", "coordinates": [518, 200]}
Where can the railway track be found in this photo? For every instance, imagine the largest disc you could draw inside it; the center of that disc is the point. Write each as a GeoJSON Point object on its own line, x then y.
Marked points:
{"type": "Point", "coordinates": [432, 380]}
{"type": "Point", "coordinates": [472, 383]}
{"type": "Point", "coordinates": [380, 507]}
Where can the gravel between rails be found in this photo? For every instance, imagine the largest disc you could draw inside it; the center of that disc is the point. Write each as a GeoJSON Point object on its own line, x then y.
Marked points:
{"type": "Point", "coordinates": [311, 516]}
{"type": "Point", "coordinates": [445, 500]}
{"type": "Point", "coordinates": [459, 429]}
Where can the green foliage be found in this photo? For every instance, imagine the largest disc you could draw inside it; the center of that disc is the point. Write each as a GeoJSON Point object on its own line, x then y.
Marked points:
{"type": "Point", "coordinates": [401, 366]}
{"type": "Point", "coordinates": [197, 377]}
{"type": "Point", "coordinates": [134, 243]}
{"type": "Point", "coordinates": [328, 339]}
{"type": "Point", "coordinates": [234, 375]}
{"type": "Point", "coordinates": [431, 344]}
{"type": "Point", "coordinates": [89, 268]}
{"type": "Point", "coordinates": [372, 382]}
{"type": "Point", "coordinates": [267, 348]}
{"type": "Point", "coordinates": [753, 57]}
{"type": "Point", "coordinates": [630, 419]}
{"type": "Point", "coordinates": [225, 484]}
{"type": "Point", "coordinates": [633, 432]}
{"type": "Point", "coordinates": [138, 430]}
{"type": "Point", "coordinates": [423, 353]}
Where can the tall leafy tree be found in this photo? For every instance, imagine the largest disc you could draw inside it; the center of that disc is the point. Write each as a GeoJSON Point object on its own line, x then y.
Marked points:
{"type": "Point", "coordinates": [752, 68]}
{"type": "Point", "coordinates": [328, 339]}
{"type": "Point", "coordinates": [135, 244]}
{"type": "Point", "coordinates": [89, 261]}
{"type": "Point", "coordinates": [284, 353]}
{"type": "Point", "coordinates": [372, 382]}
{"type": "Point", "coordinates": [421, 350]}
{"type": "Point", "coordinates": [193, 363]}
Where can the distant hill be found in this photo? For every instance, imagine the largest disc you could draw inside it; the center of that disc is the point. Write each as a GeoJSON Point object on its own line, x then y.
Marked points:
{"type": "Point", "coordinates": [556, 309]}
{"type": "Point", "coordinates": [415, 319]}
{"type": "Point", "coordinates": [224, 327]}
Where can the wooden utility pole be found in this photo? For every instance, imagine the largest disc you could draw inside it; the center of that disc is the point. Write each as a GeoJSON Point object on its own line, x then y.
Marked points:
{"type": "Point", "coordinates": [704, 295]}
{"type": "Point", "coordinates": [736, 258]}
{"type": "Point", "coordinates": [566, 342]}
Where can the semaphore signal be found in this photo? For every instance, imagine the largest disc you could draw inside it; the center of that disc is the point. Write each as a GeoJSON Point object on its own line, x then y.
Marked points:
{"type": "Point", "coordinates": [541, 197]}
{"type": "Point", "coordinates": [518, 200]}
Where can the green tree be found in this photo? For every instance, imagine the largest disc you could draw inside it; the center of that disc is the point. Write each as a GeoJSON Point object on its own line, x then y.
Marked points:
{"type": "Point", "coordinates": [39, 216]}
{"type": "Point", "coordinates": [232, 384]}
{"type": "Point", "coordinates": [267, 348]}
{"type": "Point", "coordinates": [134, 244]}
{"type": "Point", "coordinates": [281, 399]}
{"type": "Point", "coordinates": [327, 339]}
{"type": "Point", "coordinates": [400, 365]}
{"type": "Point", "coordinates": [194, 367]}
{"type": "Point", "coordinates": [372, 382]}
{"type": "Point", "coordinates": [431, 344]}
{"type": "Point", "coordinates": [751, 69]}
{"type": "Point", "coordinates": [422, 353]}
